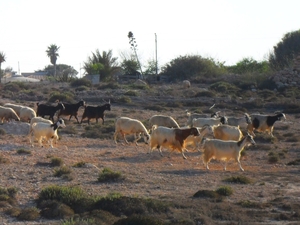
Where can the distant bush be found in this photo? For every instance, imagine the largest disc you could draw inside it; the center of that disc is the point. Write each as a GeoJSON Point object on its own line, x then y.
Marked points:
{"type": "Point", "coordinates": [109, 175]}
{"type": "Point", "coordinates": [209, 94]}
{"type": "Point", "coordinates": [24, 151]}
{"type": "Point", "coordinates": [61, 96]}
{"type": "Point", "coordinates": [225, 191]}
{"type": "Point", "coordinates": [57, 161]}
{"type": "Point", "coordinates": [295, 162]}
{"type": "Point", "coordinates": [131, 93]}
{"type": "Point", "coordinates": [81, 82]}
{"type": "Point", "coordinates": [238, 179]}
{"type": "Point", "coordinates": [111, 85]}
{"type": "Point", "coordinates": [63, 170]}
{"type": "Point", "coordinates": [124, 99]}
{"type": "Point", "coordinates": [29, 214]}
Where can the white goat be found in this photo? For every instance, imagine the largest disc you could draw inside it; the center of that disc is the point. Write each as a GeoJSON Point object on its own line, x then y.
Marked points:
{"type": "Point", "coordinates": [200, 122]}
{"type": "Point", "coordinates": [237, 121]}
{"type": "Point", "coordinates": [15, 107]}
{"type": "Point", "coordinates": [192, 116]}
{"type": "Point", "coordinates": [8, 114]}
{"type": "Point", "coordinates": [36, 120]}
{"type": "Point", "coordinates": [171, 138]}
{"type": "Point", "coordinates": [126, 126]}
{"type": "Point", "coordinates": [165, 121]}
{"type": "Point", "coordinates": [226, 132]}
{"type": "Point", "coordinates": [26, 114]}
{"type": "Point", "coordinates": [225, 150]}
{"type": "Point", "coordinates": [47, 131]}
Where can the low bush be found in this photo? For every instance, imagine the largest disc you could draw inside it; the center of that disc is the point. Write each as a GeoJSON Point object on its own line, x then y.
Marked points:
{"type": "Point", "coordinates": [108, 175]}
{"type": "Point", "coordinates": [225, 191]}
{"type": "Point", "coordinates": [238, 179]}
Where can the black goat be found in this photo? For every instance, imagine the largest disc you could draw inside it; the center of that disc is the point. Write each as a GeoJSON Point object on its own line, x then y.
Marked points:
{"type": "Point", "coordinates": [71, 109]}
{"type": "Point", "coordinates": [48, 110]}
{"type": "Point", "coordinates": [95, 112]}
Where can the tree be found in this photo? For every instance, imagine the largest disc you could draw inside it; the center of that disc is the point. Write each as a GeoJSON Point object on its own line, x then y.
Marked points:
{"type": "Point", "coordinates": [2, 59]}
{"type": "Point", "coordinates": [285, 51]}
{"type": "Point", "coordinates": [52, 53]}
{"type": "Point", "coordinates": [249, 65]}
{"type": "Point", "coordinates": [64, 72]}
{"type": "Point", "coordinates": [133, 45]}
{"type": "Point", "coordinates": [192, 67]}
{"type": "Point", "coordinates": [103, 64]}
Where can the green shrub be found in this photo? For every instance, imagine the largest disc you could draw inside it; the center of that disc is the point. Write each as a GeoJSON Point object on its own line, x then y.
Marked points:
{"type": "Point", "coordinates": [29, 214]}
{"type": "Point", "coordinates": [82, 88]}
{"type": "Point", "coordinates": [63, 170]}
{"type": "Point", "coordinates": [273, 159]}
{"type": "Point", "coordinates": [238, 179]}
{"type": "Point", "coordinates": [24, 151]}
{"type": "Point", "coordinates": [53, 209]}
{"type": "Point", "coordinates": [61, 96]}
{"type": "Point", "coordinates": [209, 94]}
{"type": "Point", "coordinates": [206, 194]}
{"type": "Point", "coordinates": [57, 161]}
{"type": "Point", "coordinates": [108, 175]}
{"type": "Point", "coordinates": [295, 162]}
{"type": "Point", "coordinates": [67, 195]}
{"type": "Point", "coordinates": [225, 191]}
{"type": "Point", "coordinates": [131, 93]}
{"type": "Point", "coordinates": [79, 164]}
{"type": "Point", "coordinates": [13, 211]}
{"type": "Point", "coordinates": [81, 82]}
{"type": "Point", "coordinates": [124, 99]}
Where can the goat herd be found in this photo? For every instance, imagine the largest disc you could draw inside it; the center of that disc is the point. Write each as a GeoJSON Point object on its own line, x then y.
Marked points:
{"type": "Point", "coordinates": [228, 141]}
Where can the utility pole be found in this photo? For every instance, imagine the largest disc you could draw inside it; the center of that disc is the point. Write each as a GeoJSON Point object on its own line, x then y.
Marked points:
{"type": "Point", "coordinates": [156, 53]}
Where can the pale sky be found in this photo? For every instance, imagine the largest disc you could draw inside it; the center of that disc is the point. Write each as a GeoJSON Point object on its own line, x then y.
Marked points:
{"type": "Point", "coordinates": [226, 30]}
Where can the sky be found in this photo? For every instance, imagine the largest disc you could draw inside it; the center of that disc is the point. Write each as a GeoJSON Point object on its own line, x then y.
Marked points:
{"type": "Point", "coordinates": [225, 30]}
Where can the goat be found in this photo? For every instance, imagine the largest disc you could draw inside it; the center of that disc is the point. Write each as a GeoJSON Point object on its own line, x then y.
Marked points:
{"type": "Point", "coordinates": [198, 115]}
{"type": "Point", "coordinates": [200, 122]}
{"type": "Point", "coordinates": [225, 150]}
{"type": "Point", "coordinates": [7, 114]}
{"type": "Point", "coordinates": [42, 130]}
{"type": "Point", "coordinates": [165, 121]}
{"type": "Point", "coordinates": [26, 114]}
{"type": "Point", "coordinates": [237, 121]}
{"type": "Point", "coordinates": [263, 123]}
{"type": "Point", "coordinates": [196, 140]}
{"type": "Point", "coordinates": [16, 108]}
{"type": "Point", "coordinates": [95, 112]}
{"type": "Point", "coordinates": [48, 110]}
{"type": "Point", "coordinates": [171, 138]}
{"type": "Point", "coordinates": [186, 84]}
{"type": "Point", "coordinates": [71, 109]}
{"type": "Point", "coordinates": [226, 132]}
{"type": "Point", "coordinates": [126, 126]}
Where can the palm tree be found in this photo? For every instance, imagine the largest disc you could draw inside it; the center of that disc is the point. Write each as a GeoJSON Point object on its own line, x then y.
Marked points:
{"type": "Point", "coordinates": [2, 59]}
{"type": "Point", "coordinates": [103, 64]}
{"type": "Point", "coordinates": [52, 53]}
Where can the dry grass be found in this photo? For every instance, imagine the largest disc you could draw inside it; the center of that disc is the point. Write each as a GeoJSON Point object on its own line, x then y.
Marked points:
{"type": "Point", "coordinates": [272, 196]}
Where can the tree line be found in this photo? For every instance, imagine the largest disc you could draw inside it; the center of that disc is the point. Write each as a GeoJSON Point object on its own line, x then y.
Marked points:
{"type": "Point", "coordinates": [183, 67]}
